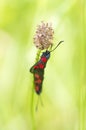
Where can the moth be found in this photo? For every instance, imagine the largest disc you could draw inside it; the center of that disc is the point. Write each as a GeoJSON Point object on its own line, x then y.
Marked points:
{"type": "Point", "coordinates": [38, 70]}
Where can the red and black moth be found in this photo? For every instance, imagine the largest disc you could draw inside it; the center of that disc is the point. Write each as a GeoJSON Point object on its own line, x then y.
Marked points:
{"type": "Point", "coordinates": [38, 69]}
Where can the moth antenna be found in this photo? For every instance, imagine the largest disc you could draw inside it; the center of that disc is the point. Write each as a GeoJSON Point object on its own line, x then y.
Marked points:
{"type": "Point", "coordinates": [57, 45]}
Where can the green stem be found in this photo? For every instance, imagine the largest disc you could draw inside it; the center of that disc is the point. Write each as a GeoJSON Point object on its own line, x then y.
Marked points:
{"type": "Point", "coordinates": [83, 72]}
{"type": "Point", "coordinates": [37, 55]}
{"type": "Point", "coordinates": [32, 95]}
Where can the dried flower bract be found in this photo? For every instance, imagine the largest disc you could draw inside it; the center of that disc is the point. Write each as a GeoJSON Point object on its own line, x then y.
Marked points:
{"type": "Point", "coordinates": [44, 36]}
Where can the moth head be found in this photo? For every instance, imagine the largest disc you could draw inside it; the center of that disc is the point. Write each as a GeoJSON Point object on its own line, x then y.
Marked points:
{"type": "Point", "coordinates": [46, 54]}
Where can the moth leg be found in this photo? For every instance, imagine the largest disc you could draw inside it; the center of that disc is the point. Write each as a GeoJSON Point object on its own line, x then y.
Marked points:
{"type": "Point", "coordinates": [32, 69]}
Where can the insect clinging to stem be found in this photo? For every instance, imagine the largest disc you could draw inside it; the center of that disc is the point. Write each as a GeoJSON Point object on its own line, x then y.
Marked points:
{"type": "Point", "coordinates": [38, 69]}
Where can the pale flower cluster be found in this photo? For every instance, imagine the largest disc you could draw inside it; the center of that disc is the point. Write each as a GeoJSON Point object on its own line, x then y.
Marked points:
{"type": "Point", "coordinates": [43, 38]}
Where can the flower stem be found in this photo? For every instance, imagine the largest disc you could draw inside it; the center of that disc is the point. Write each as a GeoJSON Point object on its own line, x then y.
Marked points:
{"type": "Point", "coordinates": [32, 95]}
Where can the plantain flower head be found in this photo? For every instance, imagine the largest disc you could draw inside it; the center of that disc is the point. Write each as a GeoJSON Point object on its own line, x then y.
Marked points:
{"type": "Point", "coordinates": [44, 36]}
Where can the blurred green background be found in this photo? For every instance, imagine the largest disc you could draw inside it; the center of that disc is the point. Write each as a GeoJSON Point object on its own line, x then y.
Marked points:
{"type": "Point", "coordinates": [64, 86]}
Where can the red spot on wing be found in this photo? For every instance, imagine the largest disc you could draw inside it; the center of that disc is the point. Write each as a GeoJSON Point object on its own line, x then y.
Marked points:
{"type": "Point", "coordinates": [36, 67]}
{"type": "Point", "coordinates": [37, 88]}
{"type": "Point", "coordinates": [41, 66]}
{"type": "Point", "coordinates": [37, 76]}
{"type": "Point", "coordinates": [44, 59]}
{"type": "Point", "coordinates": [38, 81]}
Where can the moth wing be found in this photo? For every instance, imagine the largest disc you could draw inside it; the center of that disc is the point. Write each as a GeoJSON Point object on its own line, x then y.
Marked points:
{"type": "Point", "coordinates": [35, 67]}
{"type": "Point", "coordinates": [38, 78]}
